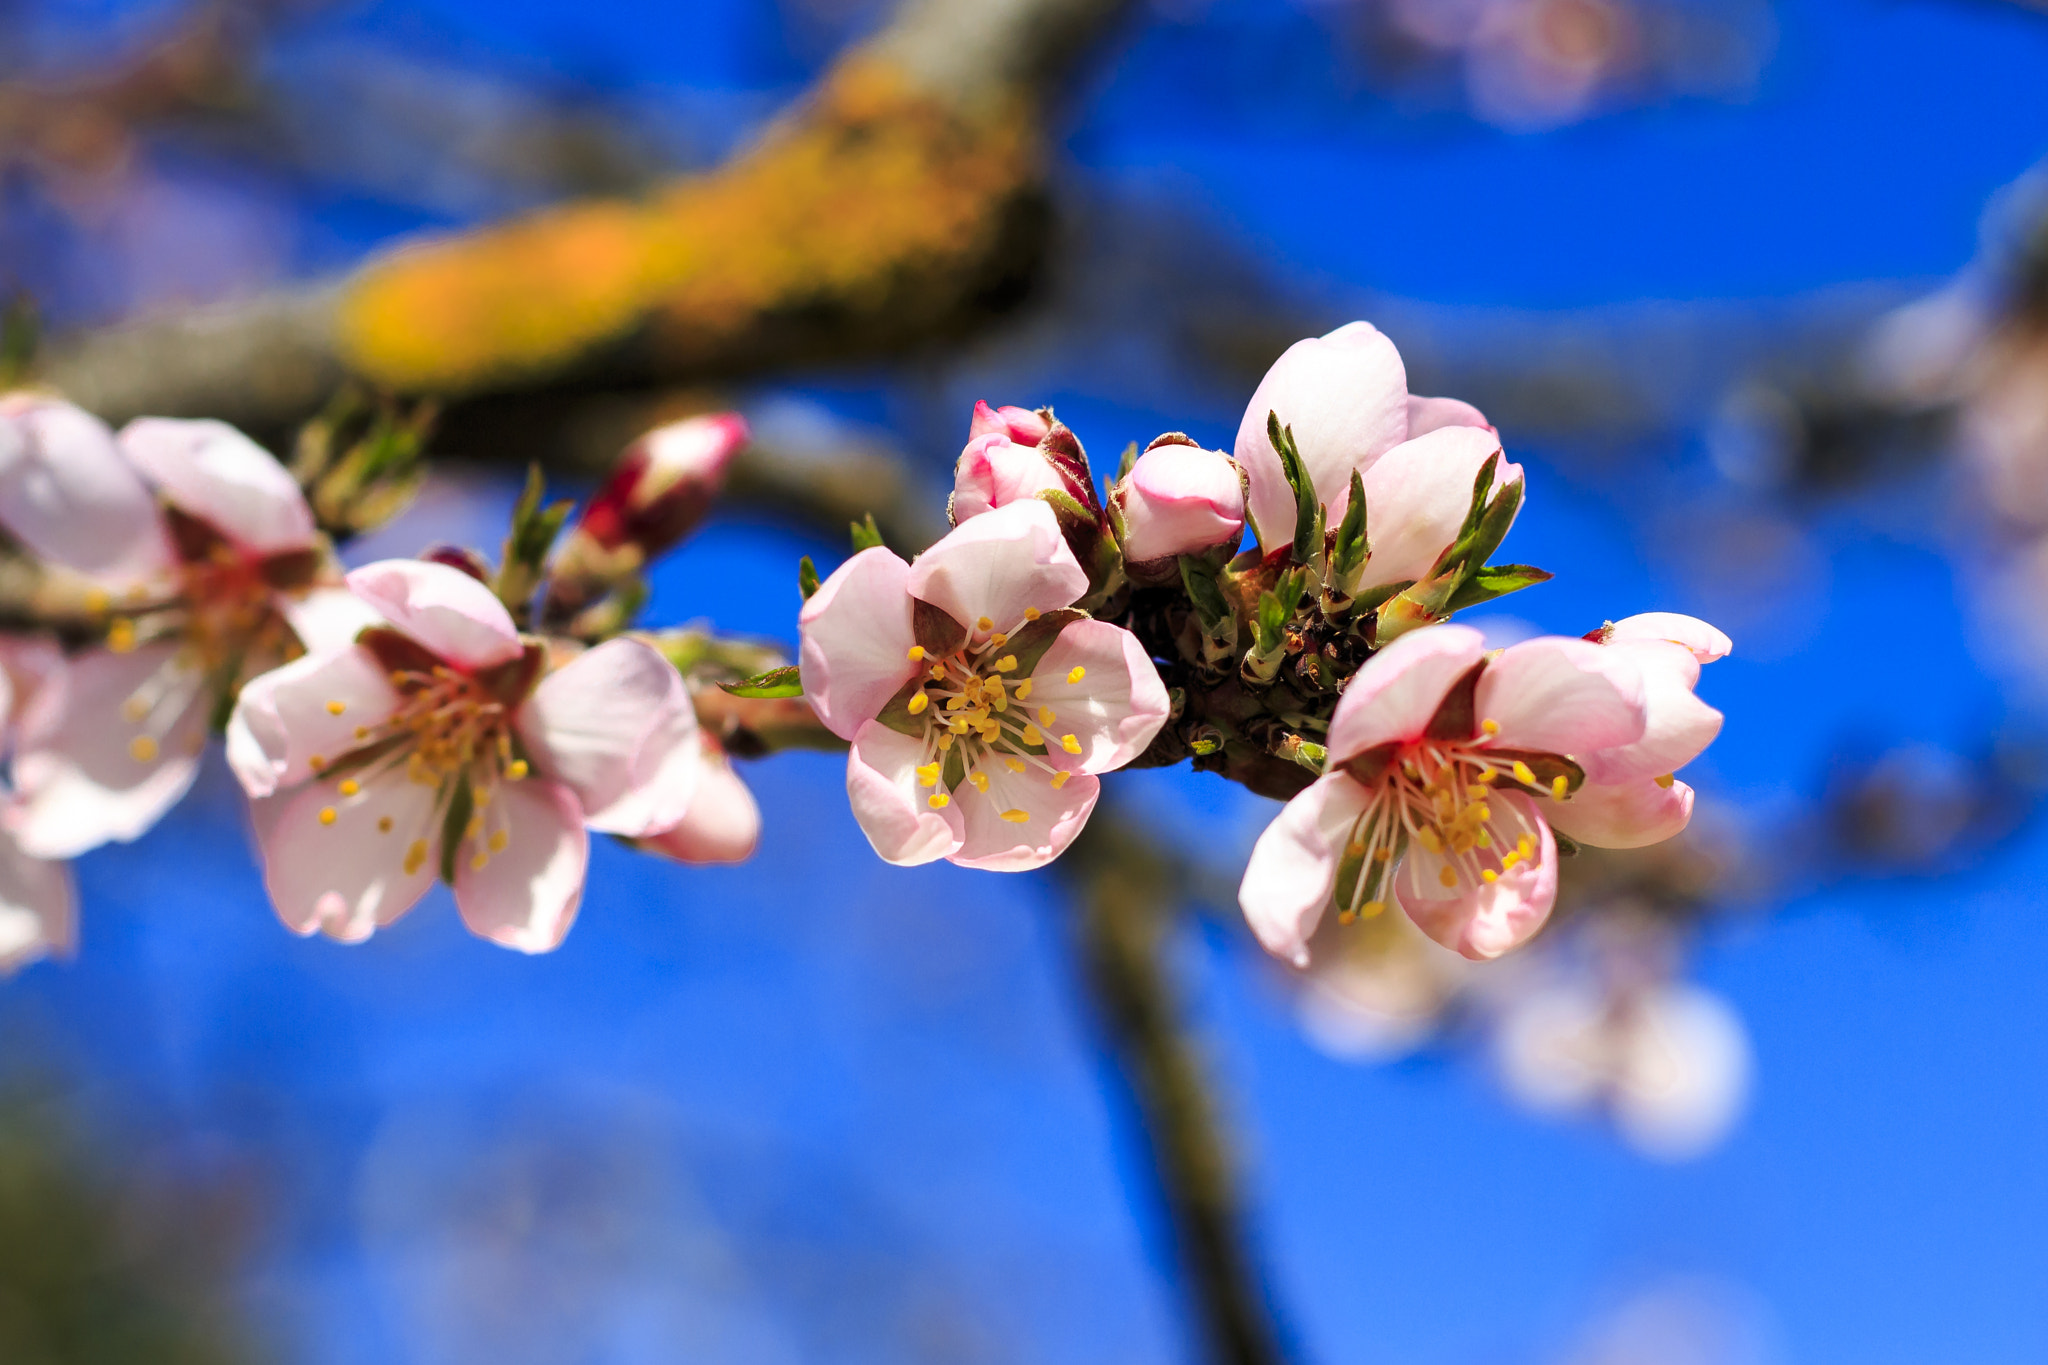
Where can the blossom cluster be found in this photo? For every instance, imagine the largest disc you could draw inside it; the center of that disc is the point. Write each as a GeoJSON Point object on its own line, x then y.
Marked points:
{"type": "Point", "coordinates": [390, 725]}
{"type": "Point", "coordinates": [1060, 631]}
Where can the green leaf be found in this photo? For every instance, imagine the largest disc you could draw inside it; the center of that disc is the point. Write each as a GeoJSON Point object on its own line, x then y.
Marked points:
{"type": "Point", "coordinates": [1199, 578]}
{"type": "Point", "coordinates": [866, 535]}
{"type": "Point", "coordinates": [1496, 580]}
{"type": "Point", "coordinates": [1273, 618]}
{"type": "Point", "coordinates": [806, 577]}
{"type": "Point", "coordinates": [776, 682]}
{"type": "Point", "coordinates": [1306, 521]}
{"type": "Point", "coordinates": [1350, 548]}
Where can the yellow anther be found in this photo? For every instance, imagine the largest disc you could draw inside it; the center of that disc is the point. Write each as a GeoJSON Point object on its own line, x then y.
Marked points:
{"type": "Point", "coordinates": [939, 672]}
{"type": "Point", "coordinates": [980, 781]}
{"type": "Point", "coordinates": [1017, 817]}
{"type": "Point", "coordinates": [98, 600]}
{"type": "Point", "coordinates": [499, 840]}
{"type": "Point", "coordinates": [335, 708]}
{"type": "Point", "coordinates": [1526, 846]}
{"type": "Point", "coordinates": [134, 709]}
{"type": "Point", "coordinates": [918, 702]}
{"type": "Point", "coordinates": [1484, 840]}
{"type": "Point", "coordinates": [516, 769]}
{"type": "Point", "coordinates": [1030, 735]}
{"type": "Point", "coordinates": [474, 828]}
{"type": "Point", "coordinates": [1015, 765]}
{"type": "Point", "coordinates": [483, 797]}
{"type": "Point", "coordinates": [478, 860]}
{"type": "Point", "coordinates": [1070, 744]}
{"type": "Point", "coordinates": [1354, 849]}
{"type": "Point", "coordinates": [985, 624]}
{"type": "Point", "coordinates": [1524, 774]}
{"type": "Point", "coordinates": [938, 800]}
{"type": "Point", "coordinates": [362, 732]}
{"type": "Point", "coordinates": [999, 640]}
{"type": "Point", "coordinates": [1666, 781]}
{"type": "Point", "coordinates": [328, 815]}
{"type": "Point", "coordinates": [316, 762]}
{"type": "Point", "coordinates": [1484, 812]}
{"type": "Point", "coordinates": [1474, 791]}
{"type": "Point", "coordinates": [917, 654]}
{"type": "Point", "coordinates": [1491, 727]}
{"type": "Point", "coordinates": [955, 703]}
{"type": "Point", "coordinates": [383, 824]}
{"type": "Point", "coordinates": [945, 740]}
{"type": "Point", "coordinates": [1489, 875]}
{"type": "Point", "coordinates": [1447, 877]}
{"type": "Point", "coordinates": [1046, 715]}
{"type": "Point", "coordinates": [1489, 776]}
{"type": "Point", "coordinates": [1514, 856]}
{"type": "Point", "coordinates": [1383, 855]}
{"type": "Point", "coordinates": [1559, 785]}
{"type": "Point", "coordinates": [415, 856]}
{"type": "Point", "coordinates": [1060, 780]}
{"type": "Point", "coordinates": [928, 775]}
{"type": "Point", "coordinates": [1429, 839]}
{"type": "Point", "coordinates": [1372, 908]}
{"type": "Point", "coordinates": [349, 786]}
{"type": "Point", "coordinates": [1007, 664]}
{"type": "Point", "coordinates": [142, 748]}
{"type": "Point", "coordinates": [121, 635]}
{"type": "Point", "coordinates": [1345, 916]}
{"type": "Point", "coordinates": [1075, 674]}
{"type": "Point", "coordinates": [1031, 613]}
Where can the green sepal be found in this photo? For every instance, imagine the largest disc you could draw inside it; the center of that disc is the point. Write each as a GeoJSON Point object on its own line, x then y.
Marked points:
{"type": "Point", "coordinates": [1306, 522]}
{"type": "Point", "coordinates": [935, 629]}
{"type": "Point", "coordinates": [866, 535]}
{"type": "Point", "coordinates": [896, 714]}
{"type": "Point", "coordinates": [1567, 847]}
{"type": "Point", "coordinates": [1547, 768]}
{"type": "Point", "coordinates": [1030, 643]}
{"type": "Point", "coordinates": [1349, 551]}
{"type": "Point", "coordinates": [1123, 466]}
{"type": "Point", "coordinates": [1493, 581]}
{"type": "Point", "coordinates": [771, 685]}
{"type": "Point", "coordinates": [1198, 577]}
{"type": "Point", "coordinates": [455, 826]}
{"type": "Point", "coordinates": [806, 578]}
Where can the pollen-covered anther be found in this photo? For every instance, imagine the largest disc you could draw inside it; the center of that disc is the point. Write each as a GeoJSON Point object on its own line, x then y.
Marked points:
{"type": "Point", "coordinates": [1070, 743]}
{"type": "Point", "coordinates": [142, 748]}
{"type": "Point", "coordinates": [938, 800]}
{"type": "Point", "coordinates": [1017, 817]}
{"type": "Point", "coordinates": [1559, 787]}
{"type": "Point", "coordinates": [1524, 774]}
{"type": "Point", "coordinates": [1491, 727]}
{"type": "Point", "coordinates": [516, 769]}
{"type": "Point", "coordinates": [500, 840]}
{"type": "Point", "coordinates": [980, 781]}
{"type": "Point", "coordinates": [1666, 780]}
{"type": "Point", "coordinates": [335, 708]}
{"type": "Point", "coordinates": [328, 815]}
{"type": "Point", "coordinates": [985, 624]}
{"type": "Point", "coordinates": [1075, 674]}
{"type": "Point", "coordinates": [383, 824]}
{"type": "Point", "coordinates": [1059, 780]}
{"type": "Point", "coordinates": [349, 786]}
{"type": "Point", "coordinates": [917, 653]}
{"type": "Point", "coordinates": [135, 709]}
{"type": "Point", "coordinates": [918, 702]}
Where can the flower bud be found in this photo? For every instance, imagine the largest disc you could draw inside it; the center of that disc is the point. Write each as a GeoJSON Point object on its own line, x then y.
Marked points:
{"type": "Point", "coordinates": [995, 470]}
{"type": "Point", "coordinates": [1179, 499]}
{"type": "Point", "coordinates": [664, 485]}
{"type": "Point", "coordinates": [1022, 425]}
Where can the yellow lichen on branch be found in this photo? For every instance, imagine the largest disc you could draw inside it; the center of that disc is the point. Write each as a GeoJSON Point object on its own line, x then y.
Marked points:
{"type": "Point", "coordinates": [875, 210]}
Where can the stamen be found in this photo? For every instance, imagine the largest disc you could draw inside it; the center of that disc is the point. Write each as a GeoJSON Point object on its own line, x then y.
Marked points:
{"type": "Point", "coordinates": [516, 769]}
{"type": "Point", "coordinates": [998, 640]}
{"type": "Point", "coordinates": [1447, 877]}
{"type": "Point", "coordinates": [1015, 765]}
{"type": "Point", "coordinates": [1023, 692]}
{"type": "Point", "coordinates": [1491, 727]}
{"type": "Point", "coordinates": [1488, 875]}
{"type": "Point", "coordinates": [349, 786]}
{"type": "Point", "coordinates": [328, 815]}
{"type": "Point", "coordinates": [985, 624]}
{"type": "Point", "coordinates": [121, 635]}
{"type": "Point", "coordinates": [142, 748]}
{"type": "Point", "coordinates": [1006, 664]}
{"type": "Point", "coordinates": [362, 732]}
{"type": "Point", "coordinates": [1372, 908]}
{"type": "Point", "coordinates": [1075, 674]}
{"type": "Point", "coordinates": [335, 708]}
{"type": "Point", "coordinates": [1524, 774]}
{"type": "Point", "coordinates": [316, 762]}
{"type": "Point", "coordinates": [1666, 781]}
{"type": "Point", "coordinates": [1059, 779]}
{"type": "Point", "coordinates": [1559, 785]}
{"type": "Point", "coordinates": [135, 709]}
{"type": "Point", "coordinates": [383, 824]}
{"type": "Point", "coordinates": [1046, 715]}
{"type": "Point", "coordinates": [918, 702]}
{"type": "Point", "coordinates": [1030, 736]}
{"type": "Point", "coordinates": [500, 840]}
{"type": "Point", "coordinates": [980, 781]}
{"type": "Point", "coordinates": [1430, 839]}
{"type": "Point", "coordinates": [938, 800]}
{"type": "Point", "coordinates": [477, 862]}
{"type": "Point", "coordinates": [917, 654]}
{"type": "Point", "coordinates": [1031, 613]}
{"type": "Point", "coordinates": [1017, 817]}
{"type": "Point", "coordinates": [1070, 744]}
{"type": "Point", "coordinates": [415, 856]}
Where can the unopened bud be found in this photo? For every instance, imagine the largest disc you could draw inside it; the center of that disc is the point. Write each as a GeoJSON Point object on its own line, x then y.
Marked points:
{"type": "Point", "coordinates": [1022, 425]}
{"type": "Point", "coordinates": [664, 485]}
{"type": "Point", "coordinates": [1179, 500]}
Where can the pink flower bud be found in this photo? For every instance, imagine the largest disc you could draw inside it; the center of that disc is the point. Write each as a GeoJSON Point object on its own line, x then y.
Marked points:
{"type": "Point", "coordinates": [665, 483]}
{"type": "Point", "coordinates": [995, 470]}
{"type": "Point", "coordinates": [1179, 500]}
{"type": "Point", "coordinates": [1022, 425]}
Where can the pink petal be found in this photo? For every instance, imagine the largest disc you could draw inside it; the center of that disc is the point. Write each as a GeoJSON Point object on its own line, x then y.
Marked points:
{"type": "Point", "coordinates": [893, 808]}
{"type": "Point", "coordinates": [285, 719]}
{"type": "Point", "coordinates": [1706, 643]}
{"type": "Point", "coordinates": [441, 608]}
{"type": "Point", "coordinates": [856, 640]}
{"type": "Point", "coordinates": [1055, 816]}
{"type": "Point", "coordinates": [348, 876]}
{"type": "Point", "coordinates": [83, 780]}
{"type": "Point", "coordinates": [1624, 814]}
{"type": "Point", "coordinates": [994, 471]}
{"type": "Point", "coordinates": [1563, 696]}
{"type": "Point", "coordinates": [38, 917]}
{"type": "Point", "coordinates": [1180, 500]}
{"type": "Point", "coordinates": [1395, 694]}
{"type": "Point", "coordinates": [1416, 498]}
{"type": "Point", "coordinates": [998, 565]}
{"type": "Point", "coordinates": [723, 823]}
{"type": "Point", "coordinates": [1677, 725]}
{"type": "Point", "coordinates": [209, 470]}
{"type": "Point", "coordinates": [526, 896]}
{"type": "Point", "coordinates": [1021, 425]}
{"type": "Point", "coordinates": [1433, 414]}
{"type": "Point", "coordinates": [1346, 397]}
{"type": "Point", "coordinates": [1485, 919]}
{"type": "Point", "coordinates": [35, 673]}
{"type": "Point", "coordinates": [327, 618]}
{"type": "Point", "coordinates": [616, 725]}
{"type": "Point", "coordinates": [1293, 868]}
{"type": "Point", "coordinates": [67, 493]}
{"type": "Point", "coordinates": [1112, 709]}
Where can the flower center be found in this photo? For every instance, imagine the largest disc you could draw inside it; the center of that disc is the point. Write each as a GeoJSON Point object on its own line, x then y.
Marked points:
{"type": "Point", "coordinates": [979, 718]}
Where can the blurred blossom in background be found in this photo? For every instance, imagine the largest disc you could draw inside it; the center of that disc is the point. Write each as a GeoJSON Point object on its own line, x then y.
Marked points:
{"type": "Point", "coordinates": [1756, 291]}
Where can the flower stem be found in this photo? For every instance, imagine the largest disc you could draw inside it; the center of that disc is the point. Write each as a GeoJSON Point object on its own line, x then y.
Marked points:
{"type": "Point", "coordinates": [1126, 894]}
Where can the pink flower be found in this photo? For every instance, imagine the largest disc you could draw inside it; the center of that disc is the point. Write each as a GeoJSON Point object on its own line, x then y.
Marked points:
{"type": "Point", "coordinates": [221, 582]}
{"type": "Point", "coordinates": [37, 910]}
{"type": "Point", "coordinates": [723, 823]}
{"type": "Point", "coordinates": [995, 471]}
{"type": "Point", "coordinates": [1022, 425]}
{"type": "Point", "coordinates": [979, 708]}
{"type": "Point", "coordinates": [1345, 396]}
{"type": "Point", "coordinates": [1179, 499]}
{"type": "Point", "coordinates": [440, 745]}
{"type": "Point", "coordinates": [70, 496]}
{"type": "Point", "coordinates": [1447, 771]}
{"type": "Point", "coordinates": [663, 486]}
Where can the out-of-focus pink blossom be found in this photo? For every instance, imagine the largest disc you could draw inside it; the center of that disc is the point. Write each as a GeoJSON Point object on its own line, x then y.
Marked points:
{"type": "Point", "coordinates": [979, 709]}
{"type": "Point", "coordinates": [723, 823]}
{"type": "Point", "coordinates": [1179, 499]}
{"type": "Point", "coordinates": [1345, 398]}
{"type": "Point", "coordinates": [663, 486]}
{"type": "Point", "coordinates": [1446, 771]}
{"type": "Point", "coordinates": [37, 901]}
{"type": "Point", "coordinates": [1022, 425]}
{"type": "Point", "coordinates": [441, 745]}
{"type": "Point", "coordinates": [220, 579]}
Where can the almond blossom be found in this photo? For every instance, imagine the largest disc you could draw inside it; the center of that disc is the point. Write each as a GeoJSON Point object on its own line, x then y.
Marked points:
{"type": "Point", "coordinates": [1448, 769]}
{"type": "Point", "coordinates": [1006, 460]}
{"type": "Point", "coordinates": [37, 914]}
{"type": "Point", "coordinates": [1345, 398]}
{"type": "Point", "coordinates": [1179, 499]}
{"type": "Point", "coordinates": [723, 823]}
{"type": "Point", "coordinates": [204, 546]}
{"type": "Point", "coordinates": [980, 706]}
{"type": "Point", "coordinates": [440, 744]}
